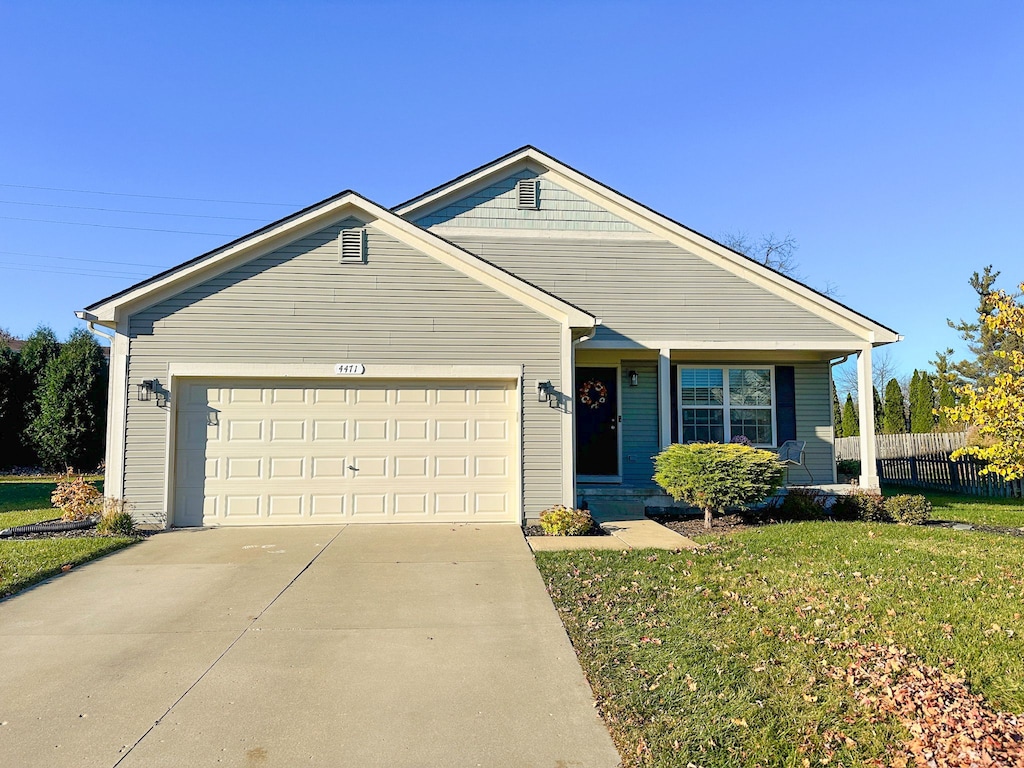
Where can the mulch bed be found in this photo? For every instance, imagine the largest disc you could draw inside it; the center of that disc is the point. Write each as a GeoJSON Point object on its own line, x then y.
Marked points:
{"type": "Point", "coordinates": [536, 530]}
{"type": "Point", "coordinates": [1003, 529]}
{"type": "Point", "coordinates": [81, 533]}
{"type": "Point", "coordinates": [691, 526]}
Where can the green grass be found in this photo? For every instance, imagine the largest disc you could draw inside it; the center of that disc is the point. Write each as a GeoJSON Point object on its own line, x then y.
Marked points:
{"type": "Point", "coordinates": [718, 657]}
{"type": "Point", "coordinates": [977, 510]}
{"type": "Point", "coordinates": [42, 478]}
{"type": "Point", "coordinates": [23, 563]}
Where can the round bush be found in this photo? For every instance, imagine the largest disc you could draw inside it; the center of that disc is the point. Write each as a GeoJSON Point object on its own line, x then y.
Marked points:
{"type": "Point", "coordinates": [861, 505]}
{"type": "Point", "coordinates": [117, 524]}
{"type": "Point", "coordinates": [911, 510]}
{"type": "Point", "coordinates": [563, 521]}
{"type": "Point", "coordinates": [803, 504]}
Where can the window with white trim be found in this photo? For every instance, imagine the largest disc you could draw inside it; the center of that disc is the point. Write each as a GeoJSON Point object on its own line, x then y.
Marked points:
{"type": "Point", "coordinates": [717, 404]}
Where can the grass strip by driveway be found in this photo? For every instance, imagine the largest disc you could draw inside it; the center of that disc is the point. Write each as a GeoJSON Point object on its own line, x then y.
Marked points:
{"type": "Point", "coordinates": [724, 657]}
{"type": "Point", "coordinates": [23, 563]}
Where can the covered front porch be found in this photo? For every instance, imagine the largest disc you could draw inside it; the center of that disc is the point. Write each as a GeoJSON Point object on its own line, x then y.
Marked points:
{"type": "Point", "coordinates": [630, 403]}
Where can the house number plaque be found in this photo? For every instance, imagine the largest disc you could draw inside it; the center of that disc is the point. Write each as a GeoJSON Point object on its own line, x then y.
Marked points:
{"type": "Point", "coordinates": [349, 369]}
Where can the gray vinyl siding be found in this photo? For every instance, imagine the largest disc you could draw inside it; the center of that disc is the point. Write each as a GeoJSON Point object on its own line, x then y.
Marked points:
{"type": "Point", "coordinates": [650, 290]}
{"type": "Point", "coordinates": [814, 421]}
{"type": "Point", "coordinates": [496, 206]}
{"type": "Point", "coordinates": [299, 305]}
{"type": "Point", "coordinates": [639, 423]}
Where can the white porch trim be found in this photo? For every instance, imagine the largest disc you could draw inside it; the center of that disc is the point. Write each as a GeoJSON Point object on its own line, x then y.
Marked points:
{"type": "Point", "coordinates": [866, 407]}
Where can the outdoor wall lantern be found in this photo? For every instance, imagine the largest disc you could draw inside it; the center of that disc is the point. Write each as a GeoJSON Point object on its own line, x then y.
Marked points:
{"type": "Point", "coordinates": [634, 379]}
{"type": "Point", "coordinates": [146, 389]}
{"type": "Point", "coordinates": [545, 391]}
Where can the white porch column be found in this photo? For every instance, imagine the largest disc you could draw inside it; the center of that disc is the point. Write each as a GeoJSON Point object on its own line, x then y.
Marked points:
{"type": "Point", "coordinates": [664, 399]}
{"type": "Point", "coordinates": [866, 407]}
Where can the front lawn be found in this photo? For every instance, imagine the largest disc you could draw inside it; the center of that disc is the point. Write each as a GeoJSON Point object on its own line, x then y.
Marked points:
{"type": "Point", "coordinates": [748, 651]}
{"type": "Point", "coordinates": [977, 510]}
{"type": "Point", "coordinates": [23, 563]}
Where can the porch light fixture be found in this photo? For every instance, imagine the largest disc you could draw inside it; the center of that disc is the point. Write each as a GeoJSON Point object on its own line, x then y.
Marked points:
{"type": "Point", "coordinates": [634, 379]}
{"type": "Point", "coordinates": [545, 391]}
{"type": "Point", "coordinates": [145, 389]}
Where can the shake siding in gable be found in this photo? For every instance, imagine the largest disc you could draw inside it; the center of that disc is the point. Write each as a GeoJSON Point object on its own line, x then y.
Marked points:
{"type": "Point", "coordinates": [496, 206]}
{"type": "Point", "coordinates": [299, 305]}
{"type": "Point", "coordinates": [651, 290]}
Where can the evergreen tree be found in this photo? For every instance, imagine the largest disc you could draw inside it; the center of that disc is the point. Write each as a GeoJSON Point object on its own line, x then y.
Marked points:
{"type": "Point", "coordinates": [38, 350]}
{"type": "Point", "coordinates": [894, 420]}
{"type": "Point", "coordinates": [68, 429]}
{"type": "Point", "coordinates": [947, 399]}
{"type": "Point", "coordinates": [11, 411]}
{"type": "Point", "coordinates": [837, 413]}
{"type": "Point", "coordinates": [851, 423]}
{"type": "Point", "coordinates": [878, 410]}
{"type": "Point", "coordinates": [983, 339]}
{"type": "Point", "coordinates": [922, 403]}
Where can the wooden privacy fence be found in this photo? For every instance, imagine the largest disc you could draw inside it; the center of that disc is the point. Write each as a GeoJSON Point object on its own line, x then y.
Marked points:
{"type": "Point", "coordinates": [922, 460]}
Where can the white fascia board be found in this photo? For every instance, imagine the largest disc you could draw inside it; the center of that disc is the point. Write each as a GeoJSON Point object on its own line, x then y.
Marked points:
{"type": "Point", "coordinates": [220, 261]}
{"type": "Point", "coordinates": [466, 185]}
{"type": "Point", "coordinates": [348, 205]}
{"type": "Point", "coordinates": [665, 228]}
{"type": "Point", "coordinates": [681, 345]}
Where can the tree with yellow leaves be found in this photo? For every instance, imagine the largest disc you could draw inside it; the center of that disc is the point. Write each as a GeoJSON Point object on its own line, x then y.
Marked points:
{"type": "Point", "coordinates": [997, 411]}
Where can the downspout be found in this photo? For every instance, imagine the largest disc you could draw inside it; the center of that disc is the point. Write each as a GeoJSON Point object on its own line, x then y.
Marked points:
{"type": "Point", "coordinates": [832, 416]}
{"type": "Point", "coordinates": [92, 327]}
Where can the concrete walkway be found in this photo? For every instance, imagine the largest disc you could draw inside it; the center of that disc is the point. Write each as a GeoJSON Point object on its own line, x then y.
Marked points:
{"type": "Point", "coordinates": [404, 645]}
{"type": "Point", "coordinates": [626, 531]}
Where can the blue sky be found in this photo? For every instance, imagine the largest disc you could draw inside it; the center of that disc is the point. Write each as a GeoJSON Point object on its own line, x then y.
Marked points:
{"type": "Point", "coordinates": [885, 137]}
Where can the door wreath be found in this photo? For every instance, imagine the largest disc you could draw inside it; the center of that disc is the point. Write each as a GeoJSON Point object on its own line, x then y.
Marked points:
{"type": "Point", "coordinates": [594, 394]}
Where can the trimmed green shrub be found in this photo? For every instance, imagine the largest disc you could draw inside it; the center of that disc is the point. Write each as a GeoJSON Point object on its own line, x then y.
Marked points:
{"type": "Point", "coordinates": [849, 467]}
{"type": "Point", "coordinates": [713, 477]}
{"type": "Point", "coordinates": [116, 519]}
{"type": "Point", "coordinates": [861, 505]}
{"type": "Point", "coordinates": [911, 510]}
{"type": "Point", "coordinates": [803, 504]}
{"type": "Point", "coordinates": [563, 521]}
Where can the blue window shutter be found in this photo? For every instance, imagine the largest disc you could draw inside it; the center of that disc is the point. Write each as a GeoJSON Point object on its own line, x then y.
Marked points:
{"type": "Point", "coordinates": [785, 403]}
{"type": "Point", "coordinates": [674, 389]}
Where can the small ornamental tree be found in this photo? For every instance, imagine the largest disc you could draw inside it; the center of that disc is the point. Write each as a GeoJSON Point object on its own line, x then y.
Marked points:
{"type": "Point", "coordinates": [713, 476]}
{"type": "Point", "coordinates": [894, 422]}
{"type": "Point", "coordinates": [996, 411]}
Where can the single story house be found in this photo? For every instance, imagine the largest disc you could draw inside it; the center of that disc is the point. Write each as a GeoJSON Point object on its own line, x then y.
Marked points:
{"type": "Point", "coordinates": [518, 337]}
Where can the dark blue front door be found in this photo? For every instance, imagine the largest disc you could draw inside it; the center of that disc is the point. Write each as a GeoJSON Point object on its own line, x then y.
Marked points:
{"type": "Point", "coordinates": [597, 421]}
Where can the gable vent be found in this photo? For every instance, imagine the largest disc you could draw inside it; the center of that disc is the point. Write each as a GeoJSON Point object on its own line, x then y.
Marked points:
{"type": "Point", "coordinates": [526, 194]}
{"type": "Point", "coordinates": [353, 245]}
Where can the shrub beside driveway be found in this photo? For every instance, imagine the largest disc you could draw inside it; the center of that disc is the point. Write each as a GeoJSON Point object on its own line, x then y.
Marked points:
{"type": "Point", "coordinates": [738, 654]}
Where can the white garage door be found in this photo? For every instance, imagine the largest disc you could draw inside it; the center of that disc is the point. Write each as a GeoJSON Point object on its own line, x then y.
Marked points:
{"type": "Point", "coordinates": [286, 452]}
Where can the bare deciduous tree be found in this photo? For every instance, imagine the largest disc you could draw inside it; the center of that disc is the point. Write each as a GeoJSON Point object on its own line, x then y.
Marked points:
{"type": "Point", "coordinates": [778, 253]}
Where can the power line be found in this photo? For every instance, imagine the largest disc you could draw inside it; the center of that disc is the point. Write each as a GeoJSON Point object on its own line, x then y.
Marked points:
{"type": "Point", "coordinates": [150, 197]}
{"type": "Point", "coordinates": [84, 273]}
{"type": "Point", "coordinates": [123, 210]}
{"type": "Point", "coordinates": [72, 258]}
{"type": "Point", "coordinates": [114, 226]}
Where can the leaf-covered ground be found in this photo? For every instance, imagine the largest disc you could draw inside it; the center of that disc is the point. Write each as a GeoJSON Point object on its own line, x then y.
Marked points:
{"type": "Point", "coordinates": [740, 654]}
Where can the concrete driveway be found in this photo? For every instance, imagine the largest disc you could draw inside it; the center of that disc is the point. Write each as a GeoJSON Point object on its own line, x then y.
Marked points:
{"type": "Point", "coordinates": [404, 645]}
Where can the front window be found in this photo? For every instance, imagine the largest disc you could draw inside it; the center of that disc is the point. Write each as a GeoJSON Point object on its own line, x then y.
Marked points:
{"type": "Point", "coordinates": [717, 404]}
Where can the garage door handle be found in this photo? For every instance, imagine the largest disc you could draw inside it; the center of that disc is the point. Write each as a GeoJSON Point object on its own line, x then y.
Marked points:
{"type": "Point", "coordinates": [354, 469]}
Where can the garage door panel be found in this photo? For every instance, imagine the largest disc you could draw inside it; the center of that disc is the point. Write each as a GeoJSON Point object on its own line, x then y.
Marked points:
{"type": "Point", "coordinates": [268, 452]}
